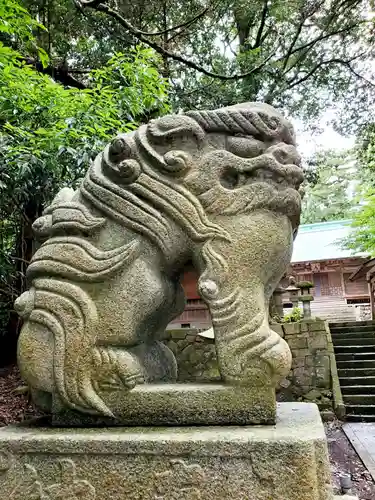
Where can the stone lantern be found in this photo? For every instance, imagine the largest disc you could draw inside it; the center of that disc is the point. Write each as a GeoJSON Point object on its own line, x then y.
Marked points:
{"type": "Point", "coordinates": [277, 299]}
{"type": "Point", "coordinates": [306, 298]}
{"type": "Point", "coordinates": [293, 291]}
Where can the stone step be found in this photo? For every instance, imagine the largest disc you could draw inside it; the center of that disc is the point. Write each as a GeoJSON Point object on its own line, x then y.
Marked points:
{"type": "Point", "coordinates": [353, 328]}
{"type": "Point", "coordinates": [357, 364]}
{"type": "Point", "coordinates": [360, 409]}
{"type": "Point", "coordinates": [356, 372]}
{"type": "Point", "coordinates": [354, 349]}
{"type": "Point", "coordinates": [358, 356]}
{"type": "Point", "coordinates": [359, 418]}
{"type": "Point", "coordinates": [357, 389]}
{"type": "Point", "coordinates": [354, 340]}
{"type": "Point", "coordinates": [357, 381]}
{"type": "Point", "coordinates": [359, 399]}
{"type": "Point", "coordinates": [351, 324]}
{"type": "Point", "coordinates": [352, 335]}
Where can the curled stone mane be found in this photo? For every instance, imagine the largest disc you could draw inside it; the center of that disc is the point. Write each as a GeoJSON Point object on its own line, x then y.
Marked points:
{"type": "Point", "coordinates": [253, 119]}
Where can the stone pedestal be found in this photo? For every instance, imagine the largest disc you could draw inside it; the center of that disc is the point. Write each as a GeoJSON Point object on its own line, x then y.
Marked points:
{"type": "Point", "coordinates": [287, 461]}
{"type": "Point", "coordinates": [178, 404]}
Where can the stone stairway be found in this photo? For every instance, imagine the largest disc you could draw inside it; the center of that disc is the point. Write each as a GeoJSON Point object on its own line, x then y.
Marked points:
{"type": "Point", "coordinates": [354, 345]}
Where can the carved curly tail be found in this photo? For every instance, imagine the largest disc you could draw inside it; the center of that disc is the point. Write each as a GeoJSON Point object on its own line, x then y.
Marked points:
{"type": "Point", "coordinates": [69, 312]}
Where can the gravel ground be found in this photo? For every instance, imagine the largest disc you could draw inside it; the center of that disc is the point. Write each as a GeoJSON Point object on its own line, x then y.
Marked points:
{"type": "Point", "coordinates": [15, 407]}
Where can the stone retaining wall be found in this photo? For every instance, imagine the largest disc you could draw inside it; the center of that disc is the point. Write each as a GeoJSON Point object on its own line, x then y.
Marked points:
{"type": "Point", "coordinates": [309, 342]}
{"type": "Point", "coordinates": [311, 347]}
{"type": "Point", "coordinates": [196, 355]}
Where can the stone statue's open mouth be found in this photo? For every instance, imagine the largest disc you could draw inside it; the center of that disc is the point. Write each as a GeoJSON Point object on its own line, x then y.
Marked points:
{"type": "Point", "coordinates": [278, 179]}
{"type": "Point", "coordinates": [266, 168]}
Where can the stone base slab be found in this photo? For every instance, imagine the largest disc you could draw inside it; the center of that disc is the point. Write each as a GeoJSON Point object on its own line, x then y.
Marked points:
{"type": "Point", "coordinates": [178, 404]}
{"type": "Point", "coordinates": [345, 497]}
{"type": "Point", "coordinates": [288, 461]}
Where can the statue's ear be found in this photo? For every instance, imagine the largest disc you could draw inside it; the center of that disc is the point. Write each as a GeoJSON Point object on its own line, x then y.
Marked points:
{"type": "Point", "coordinates": [171, 143]}
{"type": "Point", "coordinates": [175, 128]}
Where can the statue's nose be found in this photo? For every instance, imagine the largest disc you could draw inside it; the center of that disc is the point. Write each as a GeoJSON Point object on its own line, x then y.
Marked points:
{"type": "Point", "coordinates": [285, 154]}
{"type": "Point", "coordinates": [25, 303]}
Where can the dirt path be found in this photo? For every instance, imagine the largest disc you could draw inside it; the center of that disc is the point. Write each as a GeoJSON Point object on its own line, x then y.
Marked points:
{"type": "Point", "coordinates": [344, 459]}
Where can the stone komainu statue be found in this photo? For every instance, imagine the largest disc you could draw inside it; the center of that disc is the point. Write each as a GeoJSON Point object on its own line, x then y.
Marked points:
{"type": "Point", "coordinates": [218, 188]}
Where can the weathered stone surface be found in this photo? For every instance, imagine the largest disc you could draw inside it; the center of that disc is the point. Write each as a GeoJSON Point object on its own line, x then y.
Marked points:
{"type": "Point", "coordinates": [313, 365]}
{"type": "Point", "coordinates": [318, 341]}
{"type": "Point", "coordinates": [299, 362]}
{"type": "Point", "coordinates": [297, 342]}
{"type": "Point", "coordinates": [180, 404]}
{"type": "Point", "coordinates": [278, 328]}
{"type": "Point", "coordinates": [315, 326]}
{"type": "Point", "coordinates": [216, 188]}
{"type": "Point", "coordinates": [327, 415]}
{"type": "Point", "coordinates": [302, 376]}
{"type": "Point", "coordinates": [345, 497]}
{"type": "Point", "coordinates": [292, 328]}
{"type": "Point", "coordinates": [285, 462]}
{"type": "Point", "coordinates": [312, 395]}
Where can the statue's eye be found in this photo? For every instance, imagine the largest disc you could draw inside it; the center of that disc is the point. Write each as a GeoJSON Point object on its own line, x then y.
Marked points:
{"type": "Point", "coordinates": [229, 178]}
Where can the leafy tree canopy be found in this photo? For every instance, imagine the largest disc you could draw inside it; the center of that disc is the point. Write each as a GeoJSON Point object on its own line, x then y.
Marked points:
{"type": "Point", "coordinates": [302, 55]}
{"type": "Point", "coordinates": [49, 133]}
{"type": "Point", "coordinates": [331, 194]}
{"type": "Point", "coordinates": [366, 152]}
{"type": "Point", "coordinates": [362, 238]}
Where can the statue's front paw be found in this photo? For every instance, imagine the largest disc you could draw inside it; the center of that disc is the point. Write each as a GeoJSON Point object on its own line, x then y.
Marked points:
{"type": "Point", "coordinates": [118, 369]}
{"type": "Point", "coordinates": [279, 359]}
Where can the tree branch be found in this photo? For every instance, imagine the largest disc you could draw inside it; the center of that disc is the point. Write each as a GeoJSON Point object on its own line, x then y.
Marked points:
{"type": "Point", "coordinates": [258, 39]}
{"type": "Point", "coordinates": [292, 84]}
{"type": "Point", "coordinates": [294, 41]}
{"type": "Point", "coordinates": [101, 7]}
{"type": "Point", "coordinates": [325, 36]}
{"type": "Point", "coordinates": [80, 71]}
{"type": "Point", "coordinates": [355, 73]}
{"type": "Point", "coordinates": [59, 74]}
{"type": "Point", "coordinates": [305, 14]}
{"type": "Point", "coordinates": [95, 3]}
{"type": "Point", "coordinates": [187, 24]}
{"type": "Point", "coordinates": [178, 26]}
{"type": "Point", "coordinates": [309, 45]}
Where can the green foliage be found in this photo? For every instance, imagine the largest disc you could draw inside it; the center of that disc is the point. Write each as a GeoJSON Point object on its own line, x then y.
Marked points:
{"type": "Point", "coordinates": [303, 56]}
{"type": "Point", "coordinates": [17, 27]}
{"type": "Point", "coordinates": [305, 285]}
{"type": "Point", "coordinates": [49, 134]}
{"type": "Point", "coordinates": [366, 152]}
{"type": "Point", "coordinates": [294, 316]}
{"type": "Point", "coordinates": [362, 238]}
{"type": "Point", "coordinates": [331, 195]}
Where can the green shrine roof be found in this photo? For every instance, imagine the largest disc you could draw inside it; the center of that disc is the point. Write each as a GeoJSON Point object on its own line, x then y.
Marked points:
{"type": "Point", "coordinates": [321, 241]}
